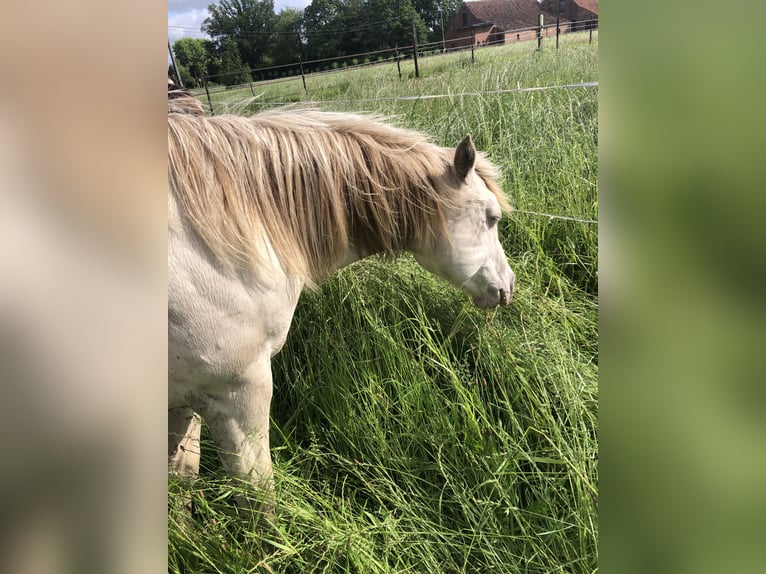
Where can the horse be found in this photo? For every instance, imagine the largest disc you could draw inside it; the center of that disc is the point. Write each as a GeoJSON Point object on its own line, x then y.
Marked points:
{"type": "Point", "coordinates": [260, 208]}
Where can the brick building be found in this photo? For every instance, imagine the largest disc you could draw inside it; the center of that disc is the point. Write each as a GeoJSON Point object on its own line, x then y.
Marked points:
{"type": "Point", "coordinates": [506, 21]}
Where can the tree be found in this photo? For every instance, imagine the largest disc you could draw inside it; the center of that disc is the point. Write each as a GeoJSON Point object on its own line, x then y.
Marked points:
{"type": "Point", "coordinates": [247, 23]}
{"type": "Point", "coordinates": [186, 76]}
{"type": "Point", "coordinates": [397, 16]}
{"type": "Point", "coordinates": [194, 54]}
{"type": "Point", "coordinates": [287, 47]}
{"type": "Point", "coordinates": [321, 21]}
{"type": "Point", "coordinates": [433, 20]}
{"type": "Point", "coordinates": [340, 27]}
{"type": "Point", "coordinates": [230, 68]}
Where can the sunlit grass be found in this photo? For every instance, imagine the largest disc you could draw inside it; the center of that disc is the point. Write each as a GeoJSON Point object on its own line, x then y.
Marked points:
{"type": "Point", "coordinates": [411, 431]}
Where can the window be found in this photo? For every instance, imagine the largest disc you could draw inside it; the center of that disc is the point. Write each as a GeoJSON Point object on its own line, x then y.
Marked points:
{"type": "Point", "coordinates": [465, 19]}
{"type": "Point", "coordinates": [562, 5]}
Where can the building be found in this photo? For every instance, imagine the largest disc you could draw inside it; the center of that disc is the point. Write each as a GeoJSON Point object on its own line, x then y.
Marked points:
{"type": "Point", "coordinates": [583, 14]}
{"type": "Point", "coordinates": [583, 11]}
{"type": "Point", "coordinates": [504, 21]}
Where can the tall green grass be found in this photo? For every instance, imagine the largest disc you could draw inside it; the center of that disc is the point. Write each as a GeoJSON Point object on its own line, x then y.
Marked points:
{"type": "Point", "coordinates": [412, 432]}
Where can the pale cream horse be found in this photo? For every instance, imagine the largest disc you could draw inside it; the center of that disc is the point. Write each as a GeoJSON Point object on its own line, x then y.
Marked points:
{"type": "Point", "coordinates": [260, 207]}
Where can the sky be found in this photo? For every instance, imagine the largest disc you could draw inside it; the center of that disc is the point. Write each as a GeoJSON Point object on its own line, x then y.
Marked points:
{"type": "Point", "coordinates": [191, 13]}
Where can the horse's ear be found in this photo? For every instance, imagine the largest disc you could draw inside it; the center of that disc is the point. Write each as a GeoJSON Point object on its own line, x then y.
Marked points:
{"type": "Point", "coordinates": [465, 157]}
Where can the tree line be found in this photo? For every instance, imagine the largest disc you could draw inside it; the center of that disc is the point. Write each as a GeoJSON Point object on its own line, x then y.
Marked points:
{"type": "Point", "coordinates": [247, 35]}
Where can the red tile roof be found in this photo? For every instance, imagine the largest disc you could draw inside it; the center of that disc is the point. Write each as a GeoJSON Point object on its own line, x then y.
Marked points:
{"type": "Point", "coordinates": [589, 5]}
{"type": "Point", "coordinates": [510, 14]}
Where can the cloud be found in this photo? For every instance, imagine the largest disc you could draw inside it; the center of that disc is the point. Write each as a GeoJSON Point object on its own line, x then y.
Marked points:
{"type": "Point", "coordinates": [186, 16]}
{"type": "Point", "coordinates": [281, 4]}
{"type": "Point", "coordinates": [180, 6]}
{"type": "Point", "coordinates": [186, 24]}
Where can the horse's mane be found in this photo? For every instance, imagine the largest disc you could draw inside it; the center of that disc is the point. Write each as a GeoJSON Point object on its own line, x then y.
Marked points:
{"type": "Point", "coordinates": [309, 183]}
{"type": "Point", "coordinates": [181, 101]}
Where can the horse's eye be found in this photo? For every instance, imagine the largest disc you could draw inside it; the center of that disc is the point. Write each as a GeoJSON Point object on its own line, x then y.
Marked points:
{"type": "Point", "coordinates": [492, 220]}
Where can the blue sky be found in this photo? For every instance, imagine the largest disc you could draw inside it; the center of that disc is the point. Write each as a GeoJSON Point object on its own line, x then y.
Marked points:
{"type": "Point", "coordinates": [191, 13]}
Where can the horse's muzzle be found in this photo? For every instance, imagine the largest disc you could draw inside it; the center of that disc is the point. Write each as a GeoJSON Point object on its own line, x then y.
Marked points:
{"type": "Point", "coordinates": [493, 298]}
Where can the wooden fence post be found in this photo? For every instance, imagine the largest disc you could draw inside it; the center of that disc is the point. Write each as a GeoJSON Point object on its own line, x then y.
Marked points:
{"type": "Point", "coordinates": [175, 68]}
{"type": "Point", "coordinates": [209, 101]}
{"type": "Point", "coordinates": [251, 89]}
{"type": "Point", "coordinates": [303, 77]}
{"type": "Point", "coordinates": [398, 65]}
{"type": "Point", "coordinates": [415, 46]}
{"type": "Point", "coordinates": [540, 31]}
{"type": "Point", "coordinates": [473, 44]}
{"type": "Point", "coordinates": [590, 36]}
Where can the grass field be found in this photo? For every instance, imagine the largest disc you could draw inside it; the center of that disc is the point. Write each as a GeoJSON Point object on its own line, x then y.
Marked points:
{"type": "Point", "coordinates": [412, 432]}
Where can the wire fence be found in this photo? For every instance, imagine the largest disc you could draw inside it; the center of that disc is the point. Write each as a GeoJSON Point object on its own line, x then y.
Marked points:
{"type": "Point", "coordinates": [313, 103]}
{"type": "Point", "coordinates": [553, 216]}
{"type": "Point", "coordinates": [314, 67]}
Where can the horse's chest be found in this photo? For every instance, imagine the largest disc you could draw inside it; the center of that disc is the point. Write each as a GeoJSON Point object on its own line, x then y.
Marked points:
{"type": "Point", "coordinates": [218, 327]}
{"type": "Point", "coordinates": [218, 323]}
{"type": "Point", "coordinates": [221, 336]}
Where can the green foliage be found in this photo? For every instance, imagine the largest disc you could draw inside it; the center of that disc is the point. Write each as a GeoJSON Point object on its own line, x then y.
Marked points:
{"type": "Point", "coordinates": [328, 28]}
{"type": "Point", "coordinates": [338, 27]}
{"type": "Point", "coordinates": [186, 76]}
{"type": "Point", "coordinates": [287, 44]}
{"type": "Point", "coordinates": [398, 15]}
{"type": "Point", "coordinates": [411, 431]}
{"type": "Point", "coordinates": [249, 24]}
{"type": "Point", "coordinates": [231, 70]}
{"type": "Point", "coordinates": [194, 54]}
{"type": "Point", "coordinates": [325, 29]}
{"type": "Point", "coordinates": [433, 19]}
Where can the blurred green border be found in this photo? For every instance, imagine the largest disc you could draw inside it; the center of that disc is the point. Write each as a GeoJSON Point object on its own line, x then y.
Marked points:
{"type": "Point", "coordinates": [682, 194]}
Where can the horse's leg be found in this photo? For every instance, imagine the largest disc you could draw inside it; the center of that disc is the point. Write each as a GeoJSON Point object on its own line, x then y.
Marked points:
{"type": "Point", "coordinates": [184, 427]}
{"type": "Point", "coordinates": [239, 425]}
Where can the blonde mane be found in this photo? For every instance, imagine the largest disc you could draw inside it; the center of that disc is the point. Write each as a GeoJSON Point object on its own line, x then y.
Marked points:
{"type": "Point", "coordinates": [184, 102]}
{"type": "Point", "coordinates": [309, 184]}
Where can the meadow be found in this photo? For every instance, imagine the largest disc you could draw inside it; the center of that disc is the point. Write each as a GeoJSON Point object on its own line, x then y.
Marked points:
{"type": "Point", "coordinates": [412, 432]}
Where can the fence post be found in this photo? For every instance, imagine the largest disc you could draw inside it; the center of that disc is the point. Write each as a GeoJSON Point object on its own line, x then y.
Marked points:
{"type": "Point", "coordinates": [303, 76]}
{"type": "Point", "coordinates": [175, 68]}
{"type": "Point", "coordinates": [398, 65]}
{"type": "Point", "coordinates": [590, 36]}
{"type": "Point", "coordinates": [415, 46]}
{"type": "Point", "coordinates": [251, 89]}
{"type": "Point", "coordinates": [540, 33]}
{"type": "Point", "coordinates": [209, 101]}
{"type": "Point", "coordinates": [473, 44]}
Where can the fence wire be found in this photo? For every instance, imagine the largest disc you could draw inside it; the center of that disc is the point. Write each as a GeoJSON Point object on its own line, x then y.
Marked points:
{"type": "Point", "coordinates": [411, 98]}
{"type": "Point", "coordinates": [406, 51]}
{"type": "Point", "coordinates": [554, 216]}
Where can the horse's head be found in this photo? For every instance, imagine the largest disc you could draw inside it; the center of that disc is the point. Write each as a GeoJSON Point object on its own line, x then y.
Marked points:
{"type": "Point", "coordinates": [470, 256]}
